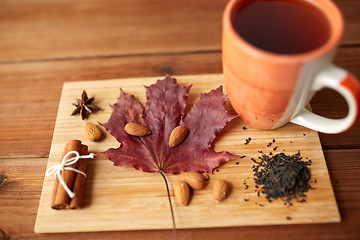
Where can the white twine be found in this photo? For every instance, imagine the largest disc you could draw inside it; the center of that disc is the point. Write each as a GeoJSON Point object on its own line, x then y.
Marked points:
{"type": "Point", "coordinates": [57, 169]}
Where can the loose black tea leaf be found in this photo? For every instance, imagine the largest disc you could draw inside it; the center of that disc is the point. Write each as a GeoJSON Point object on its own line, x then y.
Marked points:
{"type": "Point", "coordinates": [247, 140]}
{"type": "Point", "coordinates": [282, 176]}
{"type": "Point", "coordinates": [206, 177]}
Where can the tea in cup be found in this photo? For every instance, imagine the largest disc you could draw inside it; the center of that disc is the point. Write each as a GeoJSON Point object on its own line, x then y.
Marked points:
{"type": "Point", "coordinates": [277, 54]}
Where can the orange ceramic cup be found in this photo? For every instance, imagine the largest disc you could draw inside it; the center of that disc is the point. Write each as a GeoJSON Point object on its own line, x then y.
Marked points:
{"type": "Point", "coordinates": [268, 89]}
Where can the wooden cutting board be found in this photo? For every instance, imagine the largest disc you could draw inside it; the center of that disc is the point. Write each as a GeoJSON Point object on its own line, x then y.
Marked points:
{"type": "Point", "coordinates": [122, 198]}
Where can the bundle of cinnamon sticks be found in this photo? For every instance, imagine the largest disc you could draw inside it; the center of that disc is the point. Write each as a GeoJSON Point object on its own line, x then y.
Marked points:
{"type": "Point", "coordinates": [74, 181]}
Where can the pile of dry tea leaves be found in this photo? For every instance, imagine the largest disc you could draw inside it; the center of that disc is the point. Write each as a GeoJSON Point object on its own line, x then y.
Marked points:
{"type": "Point", "coordinates": [283, 176]}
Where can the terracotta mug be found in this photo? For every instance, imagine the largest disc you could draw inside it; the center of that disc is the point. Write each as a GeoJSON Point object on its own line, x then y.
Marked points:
{"type": "Point", "coordinates": [270, 89]}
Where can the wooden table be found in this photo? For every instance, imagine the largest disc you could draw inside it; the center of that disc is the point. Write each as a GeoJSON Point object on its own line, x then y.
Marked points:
{"type": "Point", "coordinates": [45, 43]}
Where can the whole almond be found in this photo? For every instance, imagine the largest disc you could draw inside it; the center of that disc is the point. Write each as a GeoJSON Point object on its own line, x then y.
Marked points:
{"type": "Point", "coordinates": [92, 132]}
{"type": "Point", "coordinates": [177, 135]}
{"type": "Point", "coordinates": [136, 129]}
{"type": "Point", "coordinates": [182, 193]}
{"type": "Point", "coordinates": [220, 190]}
{"type": "Point", "coordinates": [194, 179]}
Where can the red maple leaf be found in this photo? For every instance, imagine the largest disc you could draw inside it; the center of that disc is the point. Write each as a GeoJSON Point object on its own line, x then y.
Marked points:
{"type": "Point", "coordinates": [165, 109]}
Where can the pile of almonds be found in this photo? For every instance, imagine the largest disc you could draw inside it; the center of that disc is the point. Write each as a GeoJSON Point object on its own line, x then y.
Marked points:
{"type": "Point", "coordinates": [196, 181]}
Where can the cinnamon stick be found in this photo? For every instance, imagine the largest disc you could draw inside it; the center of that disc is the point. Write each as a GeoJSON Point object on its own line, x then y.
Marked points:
{"type": "Point", "coordinates": [79, 182]}
{"type": "Point", "coordinates": [56, 184]}
{"type": "Point", "coordinates": [61, 198]}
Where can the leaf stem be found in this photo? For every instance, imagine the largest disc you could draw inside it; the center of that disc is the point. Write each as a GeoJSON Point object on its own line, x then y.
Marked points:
{"type": "Point", "coordinates": [171, 208]}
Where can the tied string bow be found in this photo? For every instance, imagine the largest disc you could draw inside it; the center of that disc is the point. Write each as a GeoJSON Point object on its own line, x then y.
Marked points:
{"type": "Point", "coordinates": [64, 165]}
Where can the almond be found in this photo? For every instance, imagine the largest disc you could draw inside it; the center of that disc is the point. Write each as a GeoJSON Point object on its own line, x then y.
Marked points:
{"type": "Point", "coordinates": [136, 129]}
{"type": "Point", "coordinates": [194, 179]}
{"type": "Point", "coordinates": [177, 135]}
{"type": "Point", "coordinates": [182, 193]}
{"type": "Point", "coordinates": [92, 132]}
{"type": "Point", "coordinates": [220, 190]}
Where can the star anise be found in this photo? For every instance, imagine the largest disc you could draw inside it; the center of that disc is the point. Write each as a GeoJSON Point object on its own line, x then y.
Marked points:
{"type": "Point", "coordinates": [84, 106]}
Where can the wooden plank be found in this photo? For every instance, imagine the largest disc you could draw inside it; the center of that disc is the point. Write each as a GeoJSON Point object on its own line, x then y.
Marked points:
{"type": "Point", "coordinates": [20, 190]}
{"type": "Point", "coordinates": [64, 29]}
{"type": "Point", "coordinates": [350, 10]}
{"type": "Point", "coordinates": [23, 184]}
{"type": "Point", "coordinates": [116, 188]}
{"type": "Point", "coordinates": [30, 92]}
{"type": "Point", "coordinates": [40, 29]}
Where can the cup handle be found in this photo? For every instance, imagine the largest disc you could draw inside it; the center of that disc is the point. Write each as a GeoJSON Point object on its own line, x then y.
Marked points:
{"type": "Point", "coordinates": [345, 84]}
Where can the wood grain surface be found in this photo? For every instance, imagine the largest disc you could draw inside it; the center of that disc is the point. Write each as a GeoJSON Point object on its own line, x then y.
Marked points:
{"type": "Point", "coordinates": [121, 198]}
{"type": "Point", "coordinates": [45, 43]}
{"type": "Point", "coordinates": [92, 28]}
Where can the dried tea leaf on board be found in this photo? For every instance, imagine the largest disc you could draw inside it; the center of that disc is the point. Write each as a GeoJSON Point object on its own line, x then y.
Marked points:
{"type": "Point", "coordinates": [165, 107]}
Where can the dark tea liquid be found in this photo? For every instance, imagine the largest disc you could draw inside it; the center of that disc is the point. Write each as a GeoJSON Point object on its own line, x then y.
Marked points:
{"type": "Point", "coordinates": [284, 27]}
